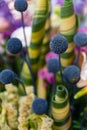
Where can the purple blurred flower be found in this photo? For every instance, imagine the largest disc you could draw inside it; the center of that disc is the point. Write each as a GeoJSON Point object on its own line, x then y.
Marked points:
{"type": "Point", "coordinates": [2, 41]}
{"type": "Point", "coordinates": [81, 49]}
{"type": "Point", "coordinates": [60, 2]}
{"type": "Point", "coordinates": [51, 55]}
{"type": "Point", "coordinates": [83, 29]}
{"type": "Point", "coordinates": [42, 73]}
{"type": "Point", "coordinates": [50, 78]}
{"type": "Point", "coordinates": [6, 14]}
{"type": "Point", "coordinates": [78, 6]}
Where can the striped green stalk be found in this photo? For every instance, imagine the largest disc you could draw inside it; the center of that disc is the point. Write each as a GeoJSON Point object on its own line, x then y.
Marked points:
{"type": "Point", "coordinates": [68, 28]}
{"type": "Point", "coordinates": [46, 39]}
{"type": "Point", "coordinates": [38, 31]}
{"type": "Point", "coordinates": [61, 109]}
{"type": "Point", "coordinates": [41, 89]}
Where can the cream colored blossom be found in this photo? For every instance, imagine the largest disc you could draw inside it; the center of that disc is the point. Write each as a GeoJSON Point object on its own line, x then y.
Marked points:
{"type": "Point", "coordinates": [25, 104]}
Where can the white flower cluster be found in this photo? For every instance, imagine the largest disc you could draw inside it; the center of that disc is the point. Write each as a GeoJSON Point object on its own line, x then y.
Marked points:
{"type": "Point", "coordinates": [47, 123]}
{"type": "Point", "coordinates": [25, 110]}
{"type": "Point", "coordinates": [41, 122]}
{"type": "Point", "coordinates": [9, 108]}
{"type": "Point", "coordinates": [16, 111]}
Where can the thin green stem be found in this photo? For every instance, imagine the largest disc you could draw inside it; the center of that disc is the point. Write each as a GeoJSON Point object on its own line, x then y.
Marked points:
{"type": "Point", "coordinates": [78, 55]}
{"type": "Point", "coordinates": [21, 82]}
{"type": "Point", "coordinates": [83, 119]}
{"type": "Point", "coordinates": [27, 58]}
{"type": "Point", "coordinates": [31, 72]}
{"type": "Point", "coordinates": [61, 69]}
{"type": "Point", "coordinates": [26, 45]}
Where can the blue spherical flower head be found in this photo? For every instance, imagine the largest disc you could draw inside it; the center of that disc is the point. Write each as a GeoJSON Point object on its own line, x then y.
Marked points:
{"type": "Point", "coordinates": [14, 45]}
{"type": "Point", "coordinates": [71, 74]}
{"type": "Point", "coordinates": [58, 44]}
{"type": "Point", "coordinates": [40, 106]}
{"type": "Point", "coordinates": [53, 65]}
{"type": "Point", "coordinates": [7, 76]}
{"type": "Point", "coordinates": [80, 39]}
{"type": "Point", "coordinates": [20, 5]}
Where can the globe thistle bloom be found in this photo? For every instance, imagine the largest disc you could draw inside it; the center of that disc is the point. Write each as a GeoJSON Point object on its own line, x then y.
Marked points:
{"type": "Point", "coordinates": [14, 45]}
{"type": "Point", "coordinates": [71, 74]}
{"type": "Point", "coordinates": [80, 39]}
{"type": "Point", "coordinates": [39, 106]}
{"type": "Point", "coordinates": [20, 5]}
{"type": "Point", "coordinates": [53, 65]}
{"type": "Point", "coordinates": [7, 76]}
{"type": "Point", "coordinates": [58, 44]}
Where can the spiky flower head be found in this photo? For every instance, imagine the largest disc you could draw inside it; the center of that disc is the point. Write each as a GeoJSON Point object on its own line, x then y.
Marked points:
{"type": "Point", "coordinates": [71, 74]}
{"type": "Point", "coordinates": [53, 65]}
{"type": "Point", "coordinates": [20, 5]}
{"type": "Point", "coordinates": [80, 39]}
{"type": "Point", "coordinates": [14, 46]}
{"type": "Point", "coordinates": [58, 44]}
{"type": "Point", "coordinates": [7, 76]}
{"type": "Point", "coordinates": [40, 106]}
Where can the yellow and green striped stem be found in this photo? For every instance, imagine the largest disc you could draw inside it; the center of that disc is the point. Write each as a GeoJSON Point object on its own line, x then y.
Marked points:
{"type": "Point", "coordinates": [41, 89]}
{"type": "Point", "coordinates": [38, 31]}
{"type": "Point", "coordinates": [45, 44]}
{"type": "Point", "coordinates": [46, 39]}
{"type": "Point", "coordinates": [61, 109]}
{"type": "Point", "coordinates": [68, 28]}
